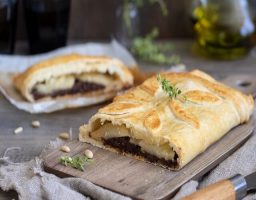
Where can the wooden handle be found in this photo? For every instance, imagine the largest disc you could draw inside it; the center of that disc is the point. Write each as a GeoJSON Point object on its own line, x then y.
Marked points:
{"type": "Point", "coordinates": [222, 190]}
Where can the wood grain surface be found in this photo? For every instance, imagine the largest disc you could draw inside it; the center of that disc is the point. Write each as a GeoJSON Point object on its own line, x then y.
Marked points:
{"type": "Point", "coordinates": [141, 180]}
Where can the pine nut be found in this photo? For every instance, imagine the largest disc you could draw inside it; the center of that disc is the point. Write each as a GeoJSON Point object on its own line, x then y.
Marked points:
{"type": "Point", "coordinates": [65, 149]}
{"type": "Point", "coordinates": [18, 130]}
{"type": "Point", "coordinates": [64, 136]}
{"type": "Point", "coordinates": [35, 124]}
{"type": "Point", "coordinates": [88, 153]}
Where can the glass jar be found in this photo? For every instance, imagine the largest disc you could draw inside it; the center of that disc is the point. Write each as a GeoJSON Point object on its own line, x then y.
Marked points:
{"type": "Point", "coordinates": [127, 23]}
{"type": "Point", "coordinates": [224, 28]}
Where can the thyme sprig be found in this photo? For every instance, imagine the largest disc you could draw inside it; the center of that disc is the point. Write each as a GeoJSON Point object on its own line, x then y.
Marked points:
{"type": "Point", "coordinates": [77, 162]}
{"type": "Point", "coordinates": [171, 90]}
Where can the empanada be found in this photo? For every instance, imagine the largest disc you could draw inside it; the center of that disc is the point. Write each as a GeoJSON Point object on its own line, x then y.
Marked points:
{"type": "Point", "coordinates": [74, 74]}
{"type": "Point", "coordinates": [145, 123]}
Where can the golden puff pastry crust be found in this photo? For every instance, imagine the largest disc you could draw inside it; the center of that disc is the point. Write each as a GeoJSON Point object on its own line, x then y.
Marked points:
{"type": "Point", "coordinates": [73, 74]}
{"type": "Point", "coordinates": [146, 124]}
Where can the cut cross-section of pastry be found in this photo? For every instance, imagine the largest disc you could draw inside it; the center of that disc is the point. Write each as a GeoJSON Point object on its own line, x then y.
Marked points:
{"type": "Point", "coordinates": [73, 74]}
{"type": "Point", "coordinates": [148, 124]}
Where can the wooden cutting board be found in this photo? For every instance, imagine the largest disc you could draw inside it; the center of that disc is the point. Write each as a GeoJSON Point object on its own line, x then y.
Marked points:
{"type": "Point", "coordinates": [141, 180]}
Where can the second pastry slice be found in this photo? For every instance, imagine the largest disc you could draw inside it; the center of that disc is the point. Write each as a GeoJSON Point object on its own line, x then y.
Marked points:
{"type": "Point", "coordinates": [72, 76]}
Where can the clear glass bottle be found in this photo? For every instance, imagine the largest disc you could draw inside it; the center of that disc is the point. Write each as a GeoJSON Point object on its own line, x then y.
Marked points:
{"type": "Point", "coordinates": [224, 28]}
{"type": "Point", "coordinates": [127, 23]}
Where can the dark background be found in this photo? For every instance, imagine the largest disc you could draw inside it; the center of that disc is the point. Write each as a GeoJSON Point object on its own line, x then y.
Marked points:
{"type": "Point", "coordinates": [94, 19]}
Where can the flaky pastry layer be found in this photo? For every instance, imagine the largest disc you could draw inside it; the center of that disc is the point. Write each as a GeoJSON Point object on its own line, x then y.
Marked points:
{"type": "Point", "coordinates": [148, 125]}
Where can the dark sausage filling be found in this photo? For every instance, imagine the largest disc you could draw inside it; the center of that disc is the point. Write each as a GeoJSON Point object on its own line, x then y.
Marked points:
{"type": "Point", "coordinates": [78, 87]}
{"type": "Point", "coordinates": [123, 144]}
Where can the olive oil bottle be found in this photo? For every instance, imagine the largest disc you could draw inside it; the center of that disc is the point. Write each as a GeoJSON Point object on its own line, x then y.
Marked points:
{"type": "Point", "coordinates": [224, 28]}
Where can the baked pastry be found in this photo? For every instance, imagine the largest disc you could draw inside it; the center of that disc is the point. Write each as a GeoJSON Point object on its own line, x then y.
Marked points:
{"type": "Point", "coordinates": [149, 125]}
{"type": "Point", "coordinates": [74, 74]}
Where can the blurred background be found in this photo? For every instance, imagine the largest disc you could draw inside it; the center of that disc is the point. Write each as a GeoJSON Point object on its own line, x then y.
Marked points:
{"type": "Point", "coordinates": [220, 29]}
{"type": "Point", "coordinates": [87, 20]}
{"type": "Point", "coordinates": [95, 19]}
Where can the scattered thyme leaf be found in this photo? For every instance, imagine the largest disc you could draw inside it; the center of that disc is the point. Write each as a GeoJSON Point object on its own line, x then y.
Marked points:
{"type": "Point", "coordinates": [171, 90]}
{"type": "Point", "coordinates": [77, 162]}
{"type": "Point", "coordinates": [148, 50]}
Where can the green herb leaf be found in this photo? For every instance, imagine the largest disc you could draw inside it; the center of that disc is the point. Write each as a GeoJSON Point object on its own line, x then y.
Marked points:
{"type": "Point", "coordinates": [77, 162]}
{"type": "Point", "coordinates": [146, 49]}
{"type": "Point", "coordinates": [171, 90]}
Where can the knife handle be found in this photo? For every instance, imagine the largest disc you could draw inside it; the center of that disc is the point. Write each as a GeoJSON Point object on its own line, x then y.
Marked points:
{"type": "Point", "coordinates": [228, 189]}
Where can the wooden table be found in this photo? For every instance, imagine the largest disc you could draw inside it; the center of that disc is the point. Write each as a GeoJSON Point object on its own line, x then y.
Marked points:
{"type": "Point", "coordinates": [32, 140]}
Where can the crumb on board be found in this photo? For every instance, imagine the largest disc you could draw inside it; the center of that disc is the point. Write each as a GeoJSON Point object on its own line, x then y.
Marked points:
{"type": "Point", "coordinates": [18, 130]}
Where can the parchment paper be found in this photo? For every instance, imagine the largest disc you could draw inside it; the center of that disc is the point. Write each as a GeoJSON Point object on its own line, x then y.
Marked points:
{"type": "Point", "coordinates": [9, 65]}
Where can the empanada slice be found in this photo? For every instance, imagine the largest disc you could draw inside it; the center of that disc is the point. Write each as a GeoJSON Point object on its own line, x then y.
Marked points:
{"type": "Point", "coordinates": [145, 123]}
{"type": "Point", "coordinates": [73, 75]}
